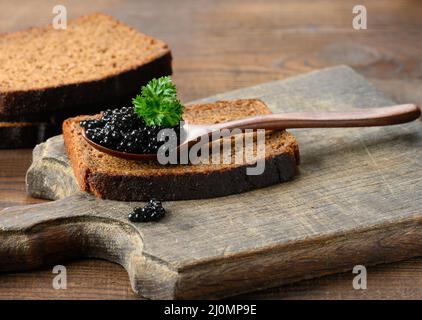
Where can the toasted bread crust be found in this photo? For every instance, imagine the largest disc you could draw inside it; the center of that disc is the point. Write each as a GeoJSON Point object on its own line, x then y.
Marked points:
{"type": "Point", "coordinates": [217, 183]}
{"type": "Point", "coordinates": [177, 183]}
{"type": "Point", "coordinates": [94, 92]}
{"type": "Point", "coordinates": [80, 170]}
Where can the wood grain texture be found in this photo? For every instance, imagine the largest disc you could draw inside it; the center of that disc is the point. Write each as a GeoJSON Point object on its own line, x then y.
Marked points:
{"type": "Point", "coordinates": [228, 45]}
{"type": "Point", "coordinates": [356, 201]}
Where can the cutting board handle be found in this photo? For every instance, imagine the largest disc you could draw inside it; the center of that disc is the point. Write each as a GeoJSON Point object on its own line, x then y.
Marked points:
{"type": "Point", "coordinates": [48, 233]}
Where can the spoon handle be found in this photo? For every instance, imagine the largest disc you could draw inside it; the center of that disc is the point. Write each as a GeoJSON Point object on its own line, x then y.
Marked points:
{"type": "Point", "coordinates": [383, 116]}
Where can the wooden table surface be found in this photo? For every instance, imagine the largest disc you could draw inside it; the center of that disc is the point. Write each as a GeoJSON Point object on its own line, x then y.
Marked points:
{"type": "Point", "coordinates": [224, 45]}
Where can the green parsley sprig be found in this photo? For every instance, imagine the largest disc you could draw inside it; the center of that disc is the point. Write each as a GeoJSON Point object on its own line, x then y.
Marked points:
{"type": "Point", "coordinates": [158, 104]}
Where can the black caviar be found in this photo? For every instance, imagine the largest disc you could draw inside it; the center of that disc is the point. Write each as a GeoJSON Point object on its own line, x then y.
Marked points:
{"type": "Point", "coordinates": [123, 130]}
{"type": "Point", "coordinates": [152, 211]}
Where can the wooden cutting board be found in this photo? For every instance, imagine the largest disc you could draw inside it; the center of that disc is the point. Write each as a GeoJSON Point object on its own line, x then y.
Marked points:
{"type": "Point", "coordinates": [357, 200]}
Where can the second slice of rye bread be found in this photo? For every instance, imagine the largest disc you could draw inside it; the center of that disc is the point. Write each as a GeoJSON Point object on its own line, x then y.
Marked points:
{"type": "Point", "coordinates": [25, 131]}
{"type": "Point", "coordinates": [93, 60]}
{"type": "Point", "coordinates": [129, 180]}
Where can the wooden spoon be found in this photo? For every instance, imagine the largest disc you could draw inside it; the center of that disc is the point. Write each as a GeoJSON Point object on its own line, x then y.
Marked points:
{"type": "Point", "coordinates": [383, 116]}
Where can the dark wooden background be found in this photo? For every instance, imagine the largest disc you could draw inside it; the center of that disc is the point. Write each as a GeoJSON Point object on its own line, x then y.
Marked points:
{"type": "Point", "coordinates": [224, 45]}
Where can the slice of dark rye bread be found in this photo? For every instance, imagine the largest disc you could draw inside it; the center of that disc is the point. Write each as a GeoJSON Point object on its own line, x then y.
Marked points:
{"type": "Point", "coordinates": [95, 59]}
{"type": "Point", "coordinates": [128, 180]}
{"type": "Point", "coordinates": [15, 135]}
{"type": "Point", "coordinates": [26, 131]}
